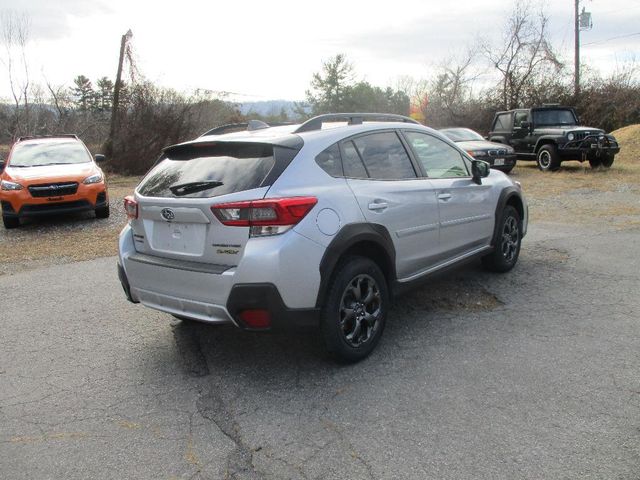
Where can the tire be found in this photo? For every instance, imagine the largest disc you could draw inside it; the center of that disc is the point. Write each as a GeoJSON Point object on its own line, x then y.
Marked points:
{"type": "Point", "coordinates": [102, 212]}
{"type": "Point", "coordinates": [507, 248]}
{"type": "Point", "coordinates": [10, 222]}
{"type": "Point", "coordinates": [507, 170]}
{"type": "Point", "coordinates": [607, 160]}
{"type": "Point", "coordinates": [595, 162]}
{"type": "Point", "coordinates": [548, 159]}
{"type": "Point", "coordinates": [355, 310]}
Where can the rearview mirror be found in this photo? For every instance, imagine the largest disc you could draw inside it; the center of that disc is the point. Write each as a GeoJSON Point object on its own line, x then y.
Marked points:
{"type": "Point", "coordinates": [479, 170]}
{"type": "Point", "coordinates": [100, 158]}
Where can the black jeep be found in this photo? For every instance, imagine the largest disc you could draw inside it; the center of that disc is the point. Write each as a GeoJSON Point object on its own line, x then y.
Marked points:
{"type": "Point", "coordinates": [550, 135]}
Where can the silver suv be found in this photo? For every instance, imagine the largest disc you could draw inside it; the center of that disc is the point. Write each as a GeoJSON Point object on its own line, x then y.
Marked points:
{"type": "Point", "coordinates": [321, 223]}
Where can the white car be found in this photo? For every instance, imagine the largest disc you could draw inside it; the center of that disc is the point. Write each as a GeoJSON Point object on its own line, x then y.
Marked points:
{"type": "Point", "coordinates": [305, 224]}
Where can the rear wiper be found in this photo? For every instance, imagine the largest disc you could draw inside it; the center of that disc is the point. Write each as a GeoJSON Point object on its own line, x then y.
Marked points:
{"type": "Point", "coordinates": [193, 187]}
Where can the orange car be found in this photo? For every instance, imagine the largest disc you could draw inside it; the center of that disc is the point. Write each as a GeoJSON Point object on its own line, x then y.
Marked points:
{"type": "Point", "coordinates": [51, 175]}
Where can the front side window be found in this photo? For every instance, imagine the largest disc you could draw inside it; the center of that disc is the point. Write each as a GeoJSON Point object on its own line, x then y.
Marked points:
{"type": "Point", "coordinates": [35, 154]}
{"type": "Point", "coordinates": [503, 122]}
{"type": "Point", "coordinates": [520, 117]}
{"type": "Point", "coordinates": [439, 159]}
{"type": "Point", "coordinates": [384, 156]}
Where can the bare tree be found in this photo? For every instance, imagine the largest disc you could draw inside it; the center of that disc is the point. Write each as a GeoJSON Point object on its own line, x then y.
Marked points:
{"type": "Point", "coordinates": [14, 36]}
{"type": "Point", "coordinates": [523, 54]}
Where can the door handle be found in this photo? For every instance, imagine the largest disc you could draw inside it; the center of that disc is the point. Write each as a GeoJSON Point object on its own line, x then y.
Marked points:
{"type": "Point", "coordinates": [444, 196]}
{"type": "Point", "coordinates": [378, 205]}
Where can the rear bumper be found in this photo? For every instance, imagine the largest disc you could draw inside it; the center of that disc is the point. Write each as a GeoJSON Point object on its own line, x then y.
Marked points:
{"type": "Point", "coordinates": [267, 278]}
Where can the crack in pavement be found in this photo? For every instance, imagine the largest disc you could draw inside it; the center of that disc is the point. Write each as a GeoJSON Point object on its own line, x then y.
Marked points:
{"type": "Point", "coordinates": [240, 460]}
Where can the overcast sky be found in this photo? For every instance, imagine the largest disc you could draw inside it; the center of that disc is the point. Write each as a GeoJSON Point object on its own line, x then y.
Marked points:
{"type": "Point", "coordinates": [269, 49]}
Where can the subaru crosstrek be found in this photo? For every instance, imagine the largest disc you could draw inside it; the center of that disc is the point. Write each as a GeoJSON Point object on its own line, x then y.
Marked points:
{"type": "Point", "coordinates": [295, 225]}
{"type": "Point", "coordinates": [48, 176]}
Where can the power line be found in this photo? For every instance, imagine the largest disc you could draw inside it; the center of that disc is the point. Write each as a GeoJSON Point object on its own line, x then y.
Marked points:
{"type": "Point", "coordinates": [612, 38]}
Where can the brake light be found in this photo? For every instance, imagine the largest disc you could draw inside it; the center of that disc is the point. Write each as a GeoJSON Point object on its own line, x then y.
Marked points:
{"type": "Point", "coordinates": [131, 207]}
{"type": "Point", "coordinates": [271, 216]}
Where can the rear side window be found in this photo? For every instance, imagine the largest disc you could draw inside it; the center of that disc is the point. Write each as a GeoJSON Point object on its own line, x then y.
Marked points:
{"type": "Point", "coordinates": [384, 156]}
{"type": "Point", "coordinates": [204, 171]}
{"type": "Point", "coordinates": [353, 166]}
{"type": "Point", "coordinates": [329, 160]}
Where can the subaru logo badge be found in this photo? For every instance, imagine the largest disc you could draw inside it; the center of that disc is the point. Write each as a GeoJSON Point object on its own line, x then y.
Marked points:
{"type": "Point", "coordinates": [168, 214]}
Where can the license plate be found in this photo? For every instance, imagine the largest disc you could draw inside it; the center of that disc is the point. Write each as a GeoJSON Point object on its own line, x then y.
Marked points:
{"type": "Point", "coordinates": [182, 238]}
{"type": "Point", "coordinates": [498, 162]}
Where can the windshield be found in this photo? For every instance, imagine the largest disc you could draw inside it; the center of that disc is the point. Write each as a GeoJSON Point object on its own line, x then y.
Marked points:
{"type": "Point", "coordinates": [462, 134]}
{"type": "Point", "coordinates": [553, 117]}
{"type": "Point", "coordinates": [48, 153]}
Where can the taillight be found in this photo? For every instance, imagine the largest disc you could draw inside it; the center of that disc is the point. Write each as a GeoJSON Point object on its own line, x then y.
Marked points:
{"type": "Point", "coordinates": [270, 216]}
{"type": "Point", "coordinates": [131, 207]}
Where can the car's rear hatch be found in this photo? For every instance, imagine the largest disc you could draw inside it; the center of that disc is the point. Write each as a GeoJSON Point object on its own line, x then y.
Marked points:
{"type": "Point", "coordinates": [174, 199]}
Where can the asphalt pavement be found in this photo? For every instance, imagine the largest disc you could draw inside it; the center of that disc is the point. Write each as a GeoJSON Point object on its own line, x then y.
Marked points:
{"type": "Point", "coordinates": [530, 375]}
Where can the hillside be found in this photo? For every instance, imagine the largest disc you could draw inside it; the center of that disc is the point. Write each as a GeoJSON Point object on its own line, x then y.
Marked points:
{"type": "Point", "coordinates": [629, 139]}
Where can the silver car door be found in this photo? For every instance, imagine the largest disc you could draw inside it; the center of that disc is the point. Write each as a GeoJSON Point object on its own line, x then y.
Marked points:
{"type": "Point", "coordinates": [389, 192]}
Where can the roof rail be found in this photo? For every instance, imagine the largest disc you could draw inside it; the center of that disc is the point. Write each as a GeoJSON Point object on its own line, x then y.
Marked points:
{"type": "Point", "coordinates": [249, 126]}
{"type": "Point", "coordinates": [315, 123]}
{"type": "Point", "coordinates": [34, 137]}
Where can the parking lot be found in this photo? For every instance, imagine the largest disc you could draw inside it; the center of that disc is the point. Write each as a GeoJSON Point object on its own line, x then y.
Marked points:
{"type": "Point", "coordinates": [533, 374]}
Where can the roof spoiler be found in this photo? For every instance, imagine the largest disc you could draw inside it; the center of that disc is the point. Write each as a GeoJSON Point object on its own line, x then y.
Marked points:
{"type": "Point", "coordinates": [249, 126]}
{"type": "Point", "coordinates": [35, 137]}
{"type": "Point", "coordinates": [315, 123]}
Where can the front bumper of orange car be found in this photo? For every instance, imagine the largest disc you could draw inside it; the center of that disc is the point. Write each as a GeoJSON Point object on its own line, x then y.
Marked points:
{"type": "Point", "coordinates": [23, 203]}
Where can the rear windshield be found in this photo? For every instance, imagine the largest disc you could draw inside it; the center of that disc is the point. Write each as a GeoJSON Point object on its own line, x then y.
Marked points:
{"type": "Point", "coordinates": [206, 171]}
{"type": "Point", "coordinates": [48, 153]}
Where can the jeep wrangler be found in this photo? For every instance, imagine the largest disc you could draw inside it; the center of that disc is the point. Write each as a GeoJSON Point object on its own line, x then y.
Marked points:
{"type": "Point", "coordinates": [550, 135]}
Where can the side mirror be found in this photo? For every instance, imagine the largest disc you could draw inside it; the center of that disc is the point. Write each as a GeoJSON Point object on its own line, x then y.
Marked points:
{"type": "Point", "coordinates": [100, 158]}
{"type": "Point", "coordinates": [1, 165]}
{"type": "Point", "coordinates": [479, 170]}
{"type": "Point", "coordinates": [525, 125]}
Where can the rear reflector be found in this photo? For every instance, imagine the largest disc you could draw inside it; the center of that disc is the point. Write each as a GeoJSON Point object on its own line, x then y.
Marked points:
{"type": "Point", "coordinates": [131, 207]}
{"type": "Point", "coordinates": [269, 213]}
{"type": "Point", "coordinates": [256, 318]}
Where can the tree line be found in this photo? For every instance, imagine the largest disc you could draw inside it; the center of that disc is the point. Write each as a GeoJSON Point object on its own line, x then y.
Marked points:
{"type": "Point", "coordinates": [520, 69]}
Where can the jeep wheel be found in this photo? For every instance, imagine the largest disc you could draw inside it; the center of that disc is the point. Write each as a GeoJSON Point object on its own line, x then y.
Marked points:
{"type": "Point", "coordinates": [10, 222]}
{"type": "Point", "coordinates": [102, 212]}
{"type": "Point", "coordinates": [607, 160]}
{"type": "Point", "coordinates": [595, 162]}
{"type": "Point", "coordinates": [548, 159]}
{"type": "Point", "coordinates": [507, 247]}
{"type": "Point", "coordinates": [355, 310]}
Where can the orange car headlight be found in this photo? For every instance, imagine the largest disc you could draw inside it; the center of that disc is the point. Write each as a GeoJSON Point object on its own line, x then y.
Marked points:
{"type": "Point", "coordinates": [7, 185]}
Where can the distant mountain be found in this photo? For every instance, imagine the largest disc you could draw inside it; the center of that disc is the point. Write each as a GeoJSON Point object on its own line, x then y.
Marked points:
{"type": "Point", "coordinates": [268, 108]}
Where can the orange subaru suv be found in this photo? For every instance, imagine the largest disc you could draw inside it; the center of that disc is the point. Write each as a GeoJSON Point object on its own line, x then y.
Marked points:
{"type": "Point", "coordinates": [51, 175]}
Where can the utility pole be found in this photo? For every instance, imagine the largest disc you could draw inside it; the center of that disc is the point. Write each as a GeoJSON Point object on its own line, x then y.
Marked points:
{"type": "Point", "coordinates": [116, 93]}
{"type": "Point", "coordinates": [577, 52]}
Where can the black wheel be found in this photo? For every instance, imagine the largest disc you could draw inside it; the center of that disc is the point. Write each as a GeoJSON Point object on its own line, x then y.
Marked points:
{"type": "Point", "coordinates": [607, 159]}
{"type": "Point", "coordinates": [595, 162]}
{"type": "Point", "coordinates": [355, 310]}
{"type": "Point", "coordinates": [10, 222]}
{"type": "Point", "coordinates": [548, 159]}
{"type": "Point", "coordinates": [102, 212]}
{"type": "Point", "coordinates": [507, 248]}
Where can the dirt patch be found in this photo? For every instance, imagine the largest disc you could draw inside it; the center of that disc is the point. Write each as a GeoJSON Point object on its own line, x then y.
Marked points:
{"type": "Point", "coordinates": [450, 294]}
